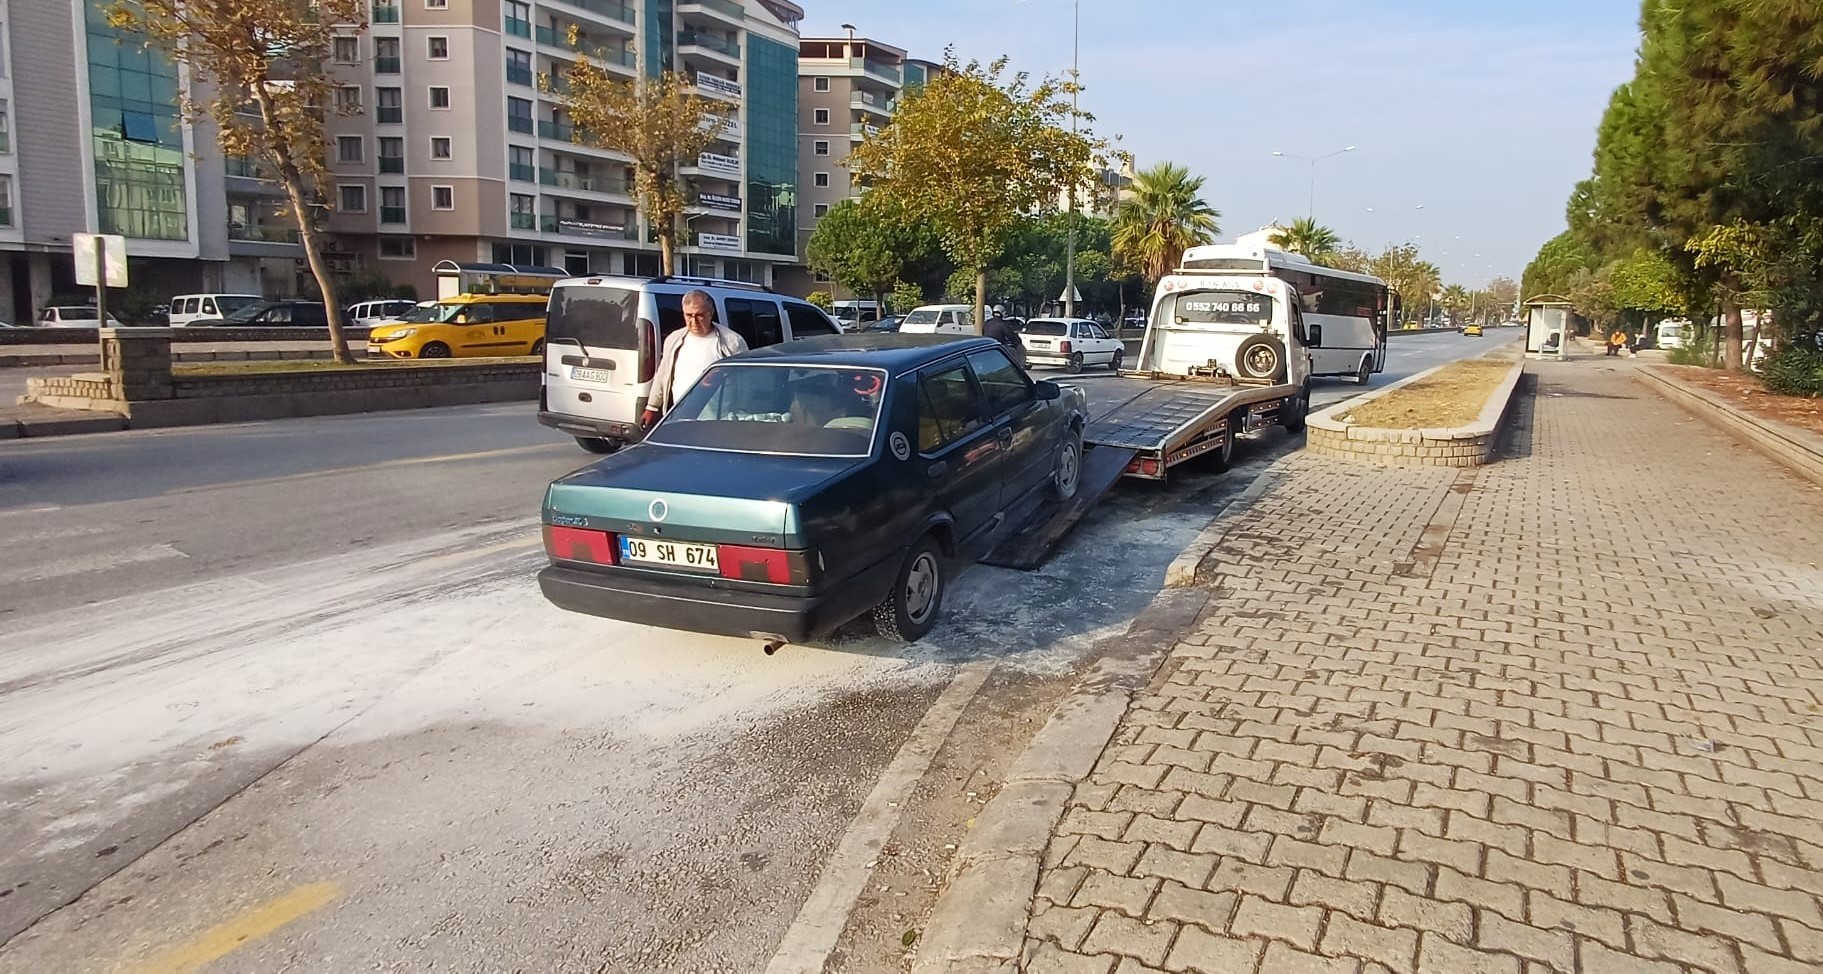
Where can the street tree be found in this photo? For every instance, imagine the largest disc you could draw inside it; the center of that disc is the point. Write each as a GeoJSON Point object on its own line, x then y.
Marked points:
{"type": "Point", "coordinates": [1407, 272]}
{"type": "Point", "coordinates": [973, 151]}
{"type": "Point", "coordinates": [867, 245]}
{"type": "Point", "coordinates": [1503, 294]}
{"type": "Point", "coordinates": [1349, 258]}
{"type": "Point", "coordinates": [660, 122]}
{"type": "Point", "coordinates": [1162, 215]}
{"type": "Point", "coordinates": [1316, 242]}
{"type": "Point", "coordinates": [258, 78]}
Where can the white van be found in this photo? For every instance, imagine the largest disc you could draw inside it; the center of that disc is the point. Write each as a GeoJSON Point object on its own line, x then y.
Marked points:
{"type": "Point", "coordinates": [1674, 333]}
{"type": "Point", "coordinates": [940, 319]}
{"type": "Point", "coordinates": [186, 308]}
{"type": "Point", "coordinates": [603, 336]}
{"type": "Point", "coordinates": [367, 314]}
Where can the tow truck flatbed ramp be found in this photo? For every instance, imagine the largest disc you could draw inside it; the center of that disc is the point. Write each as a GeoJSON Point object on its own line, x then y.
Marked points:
{"type": "Point", "coordinates": [1166, 416]}
{"type": "Point", "coordinates": [1033, 544]}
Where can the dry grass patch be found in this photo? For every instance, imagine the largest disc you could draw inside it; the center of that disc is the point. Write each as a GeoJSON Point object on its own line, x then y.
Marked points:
{"type": "Point", "coordinates": [262, 366]}
{"type": "Point", "coordinates": [1453, 396]}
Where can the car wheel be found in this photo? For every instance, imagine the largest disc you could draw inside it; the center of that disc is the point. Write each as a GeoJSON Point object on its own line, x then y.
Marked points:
{"type": "Point", "coordinates": [434, 350]}
{"type": "Point", "coordinates": [1260, 357]}
{"type": "Point", "coordinates": [1066, 472]}
{"type": "Point", "coordinates": [1295, 413]}
{"type": "Point", "coordinates": [1114, 363]}
{"type": "Point", "coordinates": [538, 347]}
{"type": "Point", "coordinates": [1366, 374]}
{"type": "Point", "coordinates": [1075, 364]}
{"type": "Point", "coordinates": [598, 444]}
{"type": "Point", "coordinates": [909, 611]}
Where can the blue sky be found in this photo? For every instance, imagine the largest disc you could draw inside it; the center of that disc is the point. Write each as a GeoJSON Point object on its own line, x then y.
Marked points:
{"type": "Point", "coordinates": [1481, 112]}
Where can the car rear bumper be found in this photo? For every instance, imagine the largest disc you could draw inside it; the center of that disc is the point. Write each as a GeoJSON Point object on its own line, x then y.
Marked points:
{"type": "Point", "coordinates": [686, 604]}
{"type": "Point", "coordinates": [605, 429]}
{"type": "Point", "coordinates": [1046, 358]}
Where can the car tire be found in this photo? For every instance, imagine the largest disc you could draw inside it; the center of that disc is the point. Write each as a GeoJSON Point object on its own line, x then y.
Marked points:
{"type": "Point", "coordinates": [434, 350]}
{"type": "Point", "coordinates": [1115, 362]}
{"type": "Point", "coordinates": [1366, 373]}
{"type": "Point", "coordinates": [599, 444]}
{"type": "Point", "coordinates": [1075, 364]}
{"type": "Point", "coordinates": [1066, 470]}
{"type": "Point", "coordinates": [1261, 357]}
{"type": "Point", "coordinates": [537, 347]}
{"type": "Point", "coordinates": [1297, 412]}
{"type": "Point", "coordinates": [909, 611]}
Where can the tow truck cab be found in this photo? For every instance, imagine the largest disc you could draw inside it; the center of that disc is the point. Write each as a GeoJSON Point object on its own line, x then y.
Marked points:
{"type": "Point", "coordinates": [1249, 329]}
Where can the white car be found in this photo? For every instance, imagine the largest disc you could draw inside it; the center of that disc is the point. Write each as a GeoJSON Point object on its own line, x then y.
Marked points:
{"type": "Point", "coordinates": [940, 319]}
{"type": "Point", "coordinates": [368, 314]}
{"type": "Point", "coordinates": [1072, 343]}
{"type": "Point", "coordinates": [73, 316]}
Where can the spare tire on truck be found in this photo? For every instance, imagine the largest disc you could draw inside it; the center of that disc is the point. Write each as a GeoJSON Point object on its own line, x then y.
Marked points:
{"type": "Point", "coordinates": [1260, 357]}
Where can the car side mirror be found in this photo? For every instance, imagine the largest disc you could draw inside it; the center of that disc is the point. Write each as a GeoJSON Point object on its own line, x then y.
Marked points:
{"type": "Point", "coordinates": [1048, 391]}
{"type": "Point", "coordinates": [1313, 335]}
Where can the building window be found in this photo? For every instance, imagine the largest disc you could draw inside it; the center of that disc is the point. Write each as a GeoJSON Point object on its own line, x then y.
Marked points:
{"type": "Point", "coordinates": [437, 47]}
{"type": "Point", "coordinates": [397, 248]}
{"type": "Point", "coordinates": [386, 55]}
{"type": "Point", "coordinates": [392, 204]}
{"type": "Point", "coordinates": [518, 67]}
{"type": "Point", "coordinates": [522, 211]}
{"type": "Point", "coordinates": [347, 101]}
{"type": "Point", "coordinates": [519, 115]}
{"type": "Point", "coordinates": [518, 18]}
{"type": "Point", "coordinates": [349, 148]}
{"type": "Point", "coordinates": [819, 84]}
{"type": "Point", "coordinates": [439, 96]}
{"type": "Point", "coordinates": [347, 50]}
{"type": "Point", "coordinates": [436, 4]}
{"type": "Point", "coordinates": [443, 197]}
{"type": "Point", "coordinates": [6, 201]}
{"type": "Point", "coordinates": [389, 104]}
{"type": "Point", "coordinates": [392, 155]}
{"type": "Point", "coordinates": [352, 199]}
{"type": "Point", "coordinates": [6, 129]}
{"type": "Point", "coordinates": [821, 148]}
{"type": "Point", "coordinates": [821, 209]}
{"type": "Point", "coordinates": [440, 148]}
{"type": "Point", "coordinates": [821, 180]}
{"type": "Point", "coordinates": [821, 116]}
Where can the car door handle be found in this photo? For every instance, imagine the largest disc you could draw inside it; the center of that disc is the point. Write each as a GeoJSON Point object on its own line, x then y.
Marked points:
{"type": "Point", "coordinates": [937, 470]}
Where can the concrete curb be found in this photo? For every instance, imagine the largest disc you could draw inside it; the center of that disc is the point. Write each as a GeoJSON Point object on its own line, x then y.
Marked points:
{"type": "Point", "coordinates": [1471, 445]}
{"type": "Point", "coordinates": [979, 921]}
{"type": "Point", "coordinates": [1798, 450]}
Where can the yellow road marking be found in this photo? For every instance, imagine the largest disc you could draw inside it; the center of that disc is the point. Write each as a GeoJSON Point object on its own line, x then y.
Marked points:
{"type": "Point", "coordinates": [383, 465]}
{"type": "Point", "coordinates": [223, 939]}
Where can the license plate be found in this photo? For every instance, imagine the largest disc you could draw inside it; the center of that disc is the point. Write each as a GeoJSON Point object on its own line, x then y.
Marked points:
{"type": "Point", "coordinates": [590, 375]}
{"type": "Point", "coordinates": [1038, 344]}
{"type": "Point", "coordinates": [679, 555]}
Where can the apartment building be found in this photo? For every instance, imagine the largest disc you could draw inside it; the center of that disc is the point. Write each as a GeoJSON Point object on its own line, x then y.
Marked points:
{"type": "Point", "coordinates": [91, 140]}
{"type": "Point", "coordinates": [462, 150]}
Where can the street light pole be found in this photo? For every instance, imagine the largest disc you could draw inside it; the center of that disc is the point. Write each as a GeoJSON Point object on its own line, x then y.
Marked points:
{"type": "Point", "coordinates": [1311, 213]}
{"type": "Point", "coordinates": [1069, 259]}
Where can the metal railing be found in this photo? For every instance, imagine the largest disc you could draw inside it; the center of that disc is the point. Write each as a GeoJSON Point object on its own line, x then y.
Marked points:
{"type": "Point", "coordinates": [385, 65]}
{"type": "Point", "coordinates": [389, 113]}
{"type": "Point", "coordinates": [521, 172]}
{"type": "Point", "coordinates": [392, 214]}
{"type": "Point", "coordinates": [886, 71]}
{"type": "Point", "coordinates": [392, 164]}
{"type": "Point", "coordinates": [865, 101]}
{"type": "Point", "coordinates": [724, 7]}
{"type": "Point", "coordinates": [552, 129]}
{"type": "Point", "coordinates": [591, 183]}
{"type": "Point", "coordinates": [522, 221]}
{"type": "Point", "coordinates": [712, 42]}
{"type": "Point", "coordinates": [243, 167]}
{"type": "Point", "coordinates": [385, 13]}
{"type": "Point", "coordinates": [612, 9]}
{"type": "Point", "coordinates": [519, 28]}
{"type": "Point", "coordinates": [519, 123]}
{"type": "Point", "coordinates": [262, 234]}
{"type": "Point", "coordinates": [518, 76]}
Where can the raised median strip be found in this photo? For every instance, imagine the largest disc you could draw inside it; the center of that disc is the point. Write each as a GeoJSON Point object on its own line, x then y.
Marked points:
{"type": "Point", "coordinates": [1376, 428]}
{"type": "Point", "coordinates": [1798, 450]}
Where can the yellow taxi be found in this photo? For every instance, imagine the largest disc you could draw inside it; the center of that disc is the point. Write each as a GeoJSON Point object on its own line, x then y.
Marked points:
{"type": "Point", "coordinates": [465, 326]}
{"type": "Point", "coordinates": [1472, 330]}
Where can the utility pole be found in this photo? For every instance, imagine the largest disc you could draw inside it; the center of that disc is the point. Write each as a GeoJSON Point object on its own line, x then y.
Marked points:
{"type": "Point", "coordinates": [1069, 259]}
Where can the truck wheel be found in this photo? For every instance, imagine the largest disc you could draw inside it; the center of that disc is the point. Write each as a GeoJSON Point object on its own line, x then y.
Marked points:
{"type": "Point", "coordinates": [1367, 371]}
{"type": "Point", "coordinates": [1261, 357]}
{"type": "Point", "coordinates": [909, 611]}
{"type": "Point", "coordinates": [1220, 459]}
{"type": "Point", "coordinates": [1296, 412]}
{"type": "Point", "coordinates": [597, 444]}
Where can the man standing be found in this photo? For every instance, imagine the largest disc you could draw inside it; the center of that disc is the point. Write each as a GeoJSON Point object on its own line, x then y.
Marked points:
{"type": "Point", "coordinates": [688, 353]}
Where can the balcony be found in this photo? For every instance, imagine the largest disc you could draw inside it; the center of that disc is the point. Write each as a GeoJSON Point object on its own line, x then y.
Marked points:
{"type": "Point", "coordinates": [715, 86]}
{"type": "Point", "coordinates": [588, 184]}
{"type": "Point", "coordinates": [521, 172]}
{"type": "Point", "coordinates": [878, 70]}
{"type": "Point", "coordinates": [516, 75]}
{"type": "Point", "coordinates": [519, 28]}
{"type": "Point", "coordinates": [552, 223]}
{"type": "Point", "coordinates": [392, 214]}
{"type": "Point", "coordinates": [862, 130]}
{"type": "Point", "coordinates": [260, 233]}
{"type": "Point", "coordinates": [716, 46]}
{"type": "Point", "coordinates": [522, 221]}
{"type": "Point", "coordinates": [864, 102]}
{"type": "Point", "coordinates": [560, 131]}
{"type": "Point", "coordinates": [392, 164]}
{"type": "Point", "coordinates": [610, 9]}
{"type": "Point", "coordinates": [719, 9]}
{"type": "Point", "coordinates": [385, 65]}
{"type": "Point", "coordinates": [390, 114]}
{"type": "Point", "coordinates": [243, 167]}
{"type": "Point", "coordinates": [519, 123]}
{"type": "Point", "coordinates": [385, 13]}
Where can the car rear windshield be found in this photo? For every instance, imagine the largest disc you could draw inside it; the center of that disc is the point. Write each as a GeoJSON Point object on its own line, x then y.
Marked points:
{"type": "Point", "coordinates": [594, 316]}
{"type": "Point", "coordinates": [1223, 308]}
{"type": "Point", "coordinates": [78, 314]}
{"type": "Point", "coordinates": [1046, 328]}
{"type": "Point", "coordinates": [810, 411]}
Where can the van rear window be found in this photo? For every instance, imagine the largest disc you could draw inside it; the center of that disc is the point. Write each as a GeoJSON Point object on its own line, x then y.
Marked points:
{"type": "Point", "coordinates": [597, 317]}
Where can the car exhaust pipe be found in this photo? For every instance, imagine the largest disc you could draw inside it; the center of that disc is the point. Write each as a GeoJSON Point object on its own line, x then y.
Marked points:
{"type": "Point", "coordinates": [772, 646]}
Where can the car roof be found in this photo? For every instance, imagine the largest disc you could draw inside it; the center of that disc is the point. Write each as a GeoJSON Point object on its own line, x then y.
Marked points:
{"type": "Point", "coordinates": [892, 351]}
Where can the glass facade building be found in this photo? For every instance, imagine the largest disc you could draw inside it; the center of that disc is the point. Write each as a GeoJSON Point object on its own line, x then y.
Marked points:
{"type": "Point", "coordinates": [137, 133]}
{"type": "Point", "coordinates": [772, 146]}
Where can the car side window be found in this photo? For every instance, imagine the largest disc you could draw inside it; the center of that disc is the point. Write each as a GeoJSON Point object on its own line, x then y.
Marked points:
{"type": "Point", "coordinates": [670, 313]}
{"type": "Point", "coordinates": [756, 321]}
{"type": "Point", "coordinates": [1095, 331]}
{"type": "Point", "coordinates": [208, 306]}
{"type": "Point", "coordinates": [314, 316]}
{"type": "Point", "coordinates": [948, 408]}
{"type": "Point", "coordinates": [280, 315]}
{"type": "Point", "coordinates": [1006, 387]}
{"type": "Point", "coordinates": [478, 314]}
{"type": "Point", "coordinates": [808, 322]}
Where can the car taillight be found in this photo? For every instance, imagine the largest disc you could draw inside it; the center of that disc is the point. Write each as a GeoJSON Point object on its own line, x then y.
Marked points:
{"type": "Point", "coordinates": [579, 544]}
{"type": "Point", "coordinates": [648, 350]}
{"type": "Point", "coordinates": [775, 565]}
{"type": "Point", "coordinates": [1064, 347]}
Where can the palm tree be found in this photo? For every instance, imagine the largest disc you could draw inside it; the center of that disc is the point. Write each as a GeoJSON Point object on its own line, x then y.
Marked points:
{"type": "Point", "coordinates": [1306, 236]}
{"type": "Point", "coordinates": [1161, 217]}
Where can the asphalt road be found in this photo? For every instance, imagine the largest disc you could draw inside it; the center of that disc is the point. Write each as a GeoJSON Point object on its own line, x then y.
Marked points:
{"type": "Point", "coordinates": [283, 696]}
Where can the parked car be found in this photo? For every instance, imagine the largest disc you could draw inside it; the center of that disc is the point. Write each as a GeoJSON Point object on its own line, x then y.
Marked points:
{"type": "Point", "coordinates": [73, 316]}
{"type": "Point", "coordinates": [261, 314]}
{"type": "Point", "coordinates": [464, 326]}
{"type": "Point", "coordinates": [606, 334]}
{"type": "Point", "coordinates": [890, 323]}
{"type": "Point", "coordinates": [1072, 343]}
{"type": "Point", "coordinates": [367, 314]}
{"type": "Point", "coordinates": [187, 309]}
{"type": "Point", "coordinates": [800, 486]}
{"type": "Point", "coordinates": [940, 319]}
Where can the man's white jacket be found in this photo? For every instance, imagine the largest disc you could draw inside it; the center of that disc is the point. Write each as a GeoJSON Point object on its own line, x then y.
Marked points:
{"type": "Point", "coordinates": [726, 343]}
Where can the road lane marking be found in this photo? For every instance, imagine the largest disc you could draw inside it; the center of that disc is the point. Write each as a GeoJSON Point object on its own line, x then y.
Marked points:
{"type": "Point", "coordinates": [366, 468]}
{"type": "Point", "coordinates": [819, 923]}
{"type": "Point", "coordinates": [83, 564]}
{"type": "Point", "coordinates": [223, 939]}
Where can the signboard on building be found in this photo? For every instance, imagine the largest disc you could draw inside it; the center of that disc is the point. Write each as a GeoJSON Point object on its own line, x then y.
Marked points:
{"type": "Point", "coordinates": [719, 86]}
{"type": "Point", "coordinates": [716, 201]}
{"type": "Point", "coordinates": [588, 229]}
{"type": "Point", "coordinates": [719, 164]}
{"type": "Point", "coordinates": [717, 241]}
{"type": "Point", "coordinates": [100, 255]}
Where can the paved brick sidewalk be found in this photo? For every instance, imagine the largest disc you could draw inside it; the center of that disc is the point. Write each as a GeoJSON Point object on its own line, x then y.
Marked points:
{"type": "Point", "coordinates": [1566, 718]}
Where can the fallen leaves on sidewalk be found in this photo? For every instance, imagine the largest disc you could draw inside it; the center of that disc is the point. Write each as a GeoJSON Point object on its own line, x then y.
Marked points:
{"type": "Point", "coordinates": [1746, 392]}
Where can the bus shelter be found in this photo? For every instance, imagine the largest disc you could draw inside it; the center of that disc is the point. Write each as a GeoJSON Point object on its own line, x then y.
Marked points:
{"type": "Point", "coordinates": [1548, 327]}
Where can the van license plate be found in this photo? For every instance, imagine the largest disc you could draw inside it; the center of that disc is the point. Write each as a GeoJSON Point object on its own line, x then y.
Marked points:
{"type": "Point", "coordinates": [679, 555]}
{"type": "Point", "coordinates": [590, 375]}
